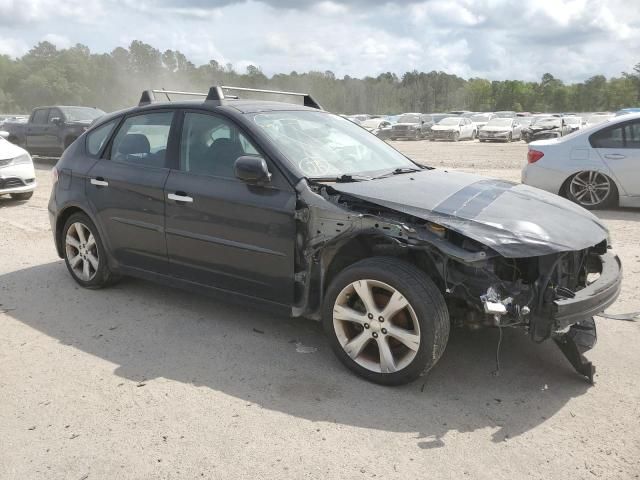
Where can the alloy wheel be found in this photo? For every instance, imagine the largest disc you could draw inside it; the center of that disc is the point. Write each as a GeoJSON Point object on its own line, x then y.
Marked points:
{"type": "Point", "coordinates": [590, 188]}
{"type": "Point", "coordinates": [376, 326]}
{"type": "Point", "coordinates": [82, 251]}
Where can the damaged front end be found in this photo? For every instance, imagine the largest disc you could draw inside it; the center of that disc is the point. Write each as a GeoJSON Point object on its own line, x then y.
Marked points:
{"type": "Point", "coordinates": [551, 293]}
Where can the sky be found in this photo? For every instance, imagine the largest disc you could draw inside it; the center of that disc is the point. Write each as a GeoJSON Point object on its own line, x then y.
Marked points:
{"type": "Point", "coordinates": [494, 39]}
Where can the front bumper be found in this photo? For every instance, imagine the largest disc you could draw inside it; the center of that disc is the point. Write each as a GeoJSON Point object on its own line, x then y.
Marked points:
{"type": "Point", "coordinates": [19, 178]}
{"type": "Point", "coordinates": [443, 134]}
{"type": "Point", "coordinates": [493, 135]}
{"type": "Point", "coordinates": [592, 299]}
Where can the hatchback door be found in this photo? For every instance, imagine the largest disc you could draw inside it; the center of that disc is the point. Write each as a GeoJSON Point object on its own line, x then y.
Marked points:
{"type": "Point", "coordinates": [619, 148]}
{"type": "Point", "coordinates": [126, 191]}
{"type": "Point", "coordinates": [222, 232]}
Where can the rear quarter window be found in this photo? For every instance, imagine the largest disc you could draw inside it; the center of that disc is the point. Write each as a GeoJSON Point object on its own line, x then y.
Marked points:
{"type": "Point", "coordinates": [97, 138]}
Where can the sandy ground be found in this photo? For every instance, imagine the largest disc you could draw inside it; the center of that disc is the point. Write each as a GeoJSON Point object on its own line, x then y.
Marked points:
{"type": "Point", "coordinates": [143, 381]}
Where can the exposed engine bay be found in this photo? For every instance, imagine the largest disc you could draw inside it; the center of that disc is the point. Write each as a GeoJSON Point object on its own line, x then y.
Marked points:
{"type": "Point", "coordinates": [481, 286]}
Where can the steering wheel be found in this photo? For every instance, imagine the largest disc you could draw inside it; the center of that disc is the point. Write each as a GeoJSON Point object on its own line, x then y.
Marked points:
{"type": "Point", "coordinates": [314, 166]}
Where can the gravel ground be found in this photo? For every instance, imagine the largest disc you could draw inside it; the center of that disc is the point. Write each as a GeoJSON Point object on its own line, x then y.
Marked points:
{"type": "Point", "coordinates": [143, 381]}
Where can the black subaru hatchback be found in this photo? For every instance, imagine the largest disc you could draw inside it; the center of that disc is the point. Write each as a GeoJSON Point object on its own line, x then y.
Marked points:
{"type": "Point", "coordinates": [300, 211]}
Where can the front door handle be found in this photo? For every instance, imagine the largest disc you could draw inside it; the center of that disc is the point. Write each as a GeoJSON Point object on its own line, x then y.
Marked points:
{"type": "Point", "coordinates": [615, 156]}
{"type": "Point", "coordinates": [177, 197]}
{"type": "Point", "coordinates": [99, 182]}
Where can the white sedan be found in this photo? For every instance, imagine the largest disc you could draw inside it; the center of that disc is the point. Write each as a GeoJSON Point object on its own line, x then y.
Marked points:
{"type": "Point", "coordinates": [595, 167]}
{"type": "Point", "coordinates": [454, 129]}
{"type": "Point", "coordinates": [17, 175]}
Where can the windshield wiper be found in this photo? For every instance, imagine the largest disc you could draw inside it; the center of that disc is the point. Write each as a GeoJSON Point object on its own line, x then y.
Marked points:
{"type": "Point", "coordinates": [344, 178]}
{"type": "Point", "coordinates": [398, 171]}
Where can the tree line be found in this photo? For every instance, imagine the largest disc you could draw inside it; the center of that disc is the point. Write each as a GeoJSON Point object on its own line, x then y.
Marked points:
{"type": "Point", "coordinates": [47, 75]}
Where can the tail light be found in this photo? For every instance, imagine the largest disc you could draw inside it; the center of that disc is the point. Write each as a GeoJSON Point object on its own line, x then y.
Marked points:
{"type": "Point", "coordinates": [534, 155]}
{"type": "Point", "coordinates": [54, 175]}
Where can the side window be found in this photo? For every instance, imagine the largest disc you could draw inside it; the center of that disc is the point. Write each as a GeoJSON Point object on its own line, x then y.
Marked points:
{"type": "Point", "coordinates": [98, 137]}
{"type": "Point", "coordinates": [54, 113]}
{"type": "Point", "coordinates": [142, 140]}
{"type": "Point", "coordinates": [40, 116]}
{"type": "Point", "coordinates": [210, 145]}
{"type": "Point", "coordinates": [607, 138]}
{"type": "Point", "coordinates": [632, 135]}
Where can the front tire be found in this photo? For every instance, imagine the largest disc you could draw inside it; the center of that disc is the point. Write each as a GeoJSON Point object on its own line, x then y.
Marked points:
{"type": "Point", "coordinates": [456, 137]}
{"type": "Point", "coordinates": [386, 320]}
{"type": "Point", "coordinates": [84, 253]}
{"type": "Point", "coordinates": [22, 196]}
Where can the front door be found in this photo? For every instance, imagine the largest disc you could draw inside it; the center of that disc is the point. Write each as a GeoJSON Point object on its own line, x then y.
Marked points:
{"type": "Point", "coordinates": [36, 131]}
{"type": "Point", "coordinates": [126, 191]}
{"type": "Point", "coordinates": [222, 232]}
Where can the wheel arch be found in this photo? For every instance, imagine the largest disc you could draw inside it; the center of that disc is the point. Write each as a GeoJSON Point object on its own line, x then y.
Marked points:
{"type": "Point", "coordinates": [565, 183]}
{"type": "Point", "coordinates": [62, 218]}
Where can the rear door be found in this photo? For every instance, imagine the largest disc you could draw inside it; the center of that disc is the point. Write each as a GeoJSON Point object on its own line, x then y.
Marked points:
{"type": "Point", "coordinates": [619, 148]}
{"type": "Point", "coordinates": [222, 232]}
{"type": "Point", "coordinates": [35, 130]}
{"type": "Point", "coordinates": [126, 190]}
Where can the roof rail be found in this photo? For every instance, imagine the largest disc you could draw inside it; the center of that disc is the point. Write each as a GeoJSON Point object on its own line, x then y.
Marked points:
{"type": "Point", "coordinates": [216, 94]}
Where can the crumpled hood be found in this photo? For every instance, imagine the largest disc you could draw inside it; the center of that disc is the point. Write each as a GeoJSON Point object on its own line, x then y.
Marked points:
{"type": "Point", "coordinates": [513, 219]}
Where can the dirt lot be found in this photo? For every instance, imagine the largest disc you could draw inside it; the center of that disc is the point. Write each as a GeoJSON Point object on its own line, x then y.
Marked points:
{"type": "Point", "coordinates": [142, 381]}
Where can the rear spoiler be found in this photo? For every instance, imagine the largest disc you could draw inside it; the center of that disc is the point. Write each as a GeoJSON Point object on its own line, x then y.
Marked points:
{"type": "Point", "coordinates": [216, 95]}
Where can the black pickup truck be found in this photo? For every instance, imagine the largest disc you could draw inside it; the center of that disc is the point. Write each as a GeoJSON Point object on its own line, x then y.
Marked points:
{"type": "Point", "coordinates": [50, 130]}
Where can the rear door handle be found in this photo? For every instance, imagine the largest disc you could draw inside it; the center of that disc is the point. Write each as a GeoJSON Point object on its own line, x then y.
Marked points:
{"type": "Point", "coordinates": [178, 197]}
{"type": "Point", "coordinates": [100, 182]}
{"type": "Point", "coordinates": [615, 156]}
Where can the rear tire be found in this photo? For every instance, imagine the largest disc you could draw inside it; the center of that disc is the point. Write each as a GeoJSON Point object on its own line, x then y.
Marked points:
{"type": "Point", "coordinates": [602, 194]}
{"type": "Point", "coordinates": [22, 196]}
{"type": "Point", "coordinates": [398, 348]}
{"type": "Point", "coordinates": [84, 253]}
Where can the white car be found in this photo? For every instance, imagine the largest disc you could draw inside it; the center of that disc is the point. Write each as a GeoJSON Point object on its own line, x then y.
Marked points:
{"type": "Point", "coordinates": [501, 129]}
{"type": "Point", "coordinates": [596, 167]}
{"type": "Point", "coordinates": [453, 128]}
{"type": "Point", "coordinates": [17, 175]}
{"type": "Point", "coordinates": [481, 119]}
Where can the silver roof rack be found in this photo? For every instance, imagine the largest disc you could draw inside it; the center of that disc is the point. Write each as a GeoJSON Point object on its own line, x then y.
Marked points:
{"type": "Point", "coordinates": [216, 95]}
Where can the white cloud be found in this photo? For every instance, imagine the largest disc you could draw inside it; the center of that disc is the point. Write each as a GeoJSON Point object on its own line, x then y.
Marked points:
{"type": "Point", "coordinates": [60, 41]}
{"type": "Point", "coordinates": [496, 39]}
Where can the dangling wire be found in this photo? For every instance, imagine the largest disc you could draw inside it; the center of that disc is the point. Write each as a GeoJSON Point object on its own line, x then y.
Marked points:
{"type": "Point", "coordinates": [496, 373]}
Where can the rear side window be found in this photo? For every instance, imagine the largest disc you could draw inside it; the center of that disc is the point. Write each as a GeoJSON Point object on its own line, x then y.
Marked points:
{"type": "Point", "coordinates": [143, 139]}
{"type": "Point", "coordinates": [607, 138]}
{"type": "Point", "coordinates": [622, 136]}
{"type": "Point", "coordinates": [40, 116]}
{"type": "Point", "coordinates": [98, 137]}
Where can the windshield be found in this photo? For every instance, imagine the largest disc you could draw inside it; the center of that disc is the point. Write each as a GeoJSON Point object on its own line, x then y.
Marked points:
{"type": "Point", "coordinates": [595, 119]}
{"type": "Point", "coordinates": [449, 121]}
{"type": "Point", "coordinates": [373, 123]}
{"type": "Point", "coordinates": [572, 120]}
{"type": "Point", "coordinates": [500, 122]}
{"type": "Point", "coordinates": [548, 122]}
{"type": "Point", "coordinates": [484, 117]}
{"type": "Point", "coordinates": [409, 119]}
{"type": "Point", "coordinates": [79, 114]}
{"type": "Point", "coordinates": [322, 145]}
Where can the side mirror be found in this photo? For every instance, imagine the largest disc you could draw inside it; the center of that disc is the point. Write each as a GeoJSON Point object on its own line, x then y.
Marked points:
{"type": "Point", "coordinates": [56, 120]}
{"type": "Point", "coordinates": [4, 134]}
{"type": "Point", "coordinates": [252, 170]}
